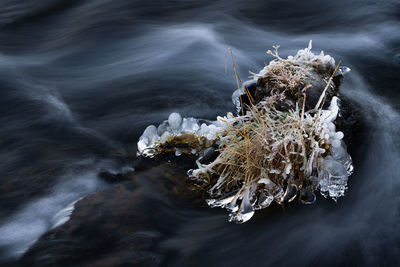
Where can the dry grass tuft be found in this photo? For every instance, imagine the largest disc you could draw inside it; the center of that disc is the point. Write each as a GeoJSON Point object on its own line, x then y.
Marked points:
{"type": "Point", "coordinates": [267, 151]}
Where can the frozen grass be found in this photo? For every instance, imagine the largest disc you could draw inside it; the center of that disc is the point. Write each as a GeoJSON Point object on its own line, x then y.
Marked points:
{"type": "Point", "coordinates": [267, 155]}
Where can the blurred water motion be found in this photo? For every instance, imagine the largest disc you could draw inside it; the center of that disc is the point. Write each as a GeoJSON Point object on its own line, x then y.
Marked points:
{"type": "Point", "coordinates": [80, 80]}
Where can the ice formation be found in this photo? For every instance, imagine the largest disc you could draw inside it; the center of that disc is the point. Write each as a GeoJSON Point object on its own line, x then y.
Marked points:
{"type": "Point", "coordinates": [266, 154]}
{"type": "Point", "coordinates": [196, 134]}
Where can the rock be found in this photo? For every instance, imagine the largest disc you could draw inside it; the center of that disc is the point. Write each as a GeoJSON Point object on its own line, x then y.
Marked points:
{"type": "Point", "coordinates": [122, 225]}
{"type": "Point", "coordinates": [254, 89]}
{"type": "Point", "coordinates": [115, 177]}
{"type": "Point", "coordinates": [307, 196]}
{"type": "Point", "coordinates": [258, 91]}
{"type": "Point", "coordinates": [208, 155]}
{"type": "Point", "coordinates": [317, 86]}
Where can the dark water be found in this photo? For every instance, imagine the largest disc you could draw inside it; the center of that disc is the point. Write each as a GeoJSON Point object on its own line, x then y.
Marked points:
{"type": "Point", "coordinates": [80, 80]}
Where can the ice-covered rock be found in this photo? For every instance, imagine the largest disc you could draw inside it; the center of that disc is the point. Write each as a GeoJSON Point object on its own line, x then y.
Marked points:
{"type": "Point", "coordinates": [176, 126]}
{"type": "Point", "coordinates": [301, 149]}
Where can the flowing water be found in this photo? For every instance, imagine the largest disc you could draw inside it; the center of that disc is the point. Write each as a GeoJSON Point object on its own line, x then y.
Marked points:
{"type": "Point", "coordinates": [80, 80]}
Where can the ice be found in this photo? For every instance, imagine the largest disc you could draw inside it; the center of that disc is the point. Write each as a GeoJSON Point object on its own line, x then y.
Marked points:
{"type": "Point", "coordinates": [275, 171]}
{"type": "Point", "coordinates": [175, 126]}
{"type": "Point", "coordinates": [331, 127]}
{"type": "Point", "coordinates": [220, 203]}
{"type": "Point", "coordinates": [334, 172]}
{"type": "Point", "coordinates": [240, 204]}
{"type": "Point", "coordinates": [175, 122]}
{"type": "Point", "coordinates": [288, 168]}
{"type": "Point", "coordinates": [150, 132]}
{"type": "Point", "coordinates": [338, 166]}
{"type": "Point", "coordinates": [162, 128]}
{"type": "Point", "coordinates": [203, 129]}
{"type": "Point", "coordinates": [339, 135]}
{"type": "Point", "coordinates": [276, 191]}
{"type": "Point", "coordinates": [222, 122]}
{"type": "Point", "coordinates": [236, 100]}
{"type": "Point", "coordinates": [217, 185]}
{"type": "Point", "coordinates": [153, 137]}
{"type": "Point", "coordinates": [165, 136]}
{"type": "Point", "coordinates": [330, 115]}
{"type": "Point", "coordinates": [344, 70]}
{"type": "Point", "coordinates": [333, 178]}
{"type": "Point", "coordinates": [243, 216]}
{"type": "Point", "coordinates": [264, 200]}
{"type": "Point", "coordinates": [190, 125]}
{"type": "Point", "coordinates": [240, 92]}
{"type": "Point", "coordinates": [148, 138]}
{"type": "Point", "coordinates": [246, 210]}
{"type": "Point", "coordinates": [340, 154]}
{"type": "Point", "coordinates": [142, 145]}
{"type": "Point", "coordinates": [306, 56]}
{"type": "Point", "coordinates": [264, 181]}
{"type": "Point", "coordinates": [290, 193]}
{"type": "Point", "coordinates": [336, 143]}
{"type": "Point", "coordinates": [212, 132]}
{"type": "Point", "coordinates": [233, 206]}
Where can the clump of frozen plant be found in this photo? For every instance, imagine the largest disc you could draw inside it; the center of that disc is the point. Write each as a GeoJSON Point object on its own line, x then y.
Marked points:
{"type": "Point", "coordinates": [274, 156]}
{"type": "Point", "coordinates": [268, 154]}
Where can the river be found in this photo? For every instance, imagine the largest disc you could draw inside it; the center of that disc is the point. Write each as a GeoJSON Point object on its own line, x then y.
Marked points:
{"type": "Point", "coordinates": [80, 80]}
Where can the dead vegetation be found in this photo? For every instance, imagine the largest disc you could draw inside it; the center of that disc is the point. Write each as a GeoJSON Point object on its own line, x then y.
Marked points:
{"type": "Point", "coordinates": [268, 154]}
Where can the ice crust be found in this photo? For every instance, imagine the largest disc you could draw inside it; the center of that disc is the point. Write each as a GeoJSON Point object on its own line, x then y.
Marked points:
{"type": "Point", "coordinates": [333, 170]}
{"type": "Point", "coordinates": [175, 126]}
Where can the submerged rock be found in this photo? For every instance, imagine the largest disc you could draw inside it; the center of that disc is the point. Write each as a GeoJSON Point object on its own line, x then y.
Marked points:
{"type": "Point", "coordinates": [114, 227]}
